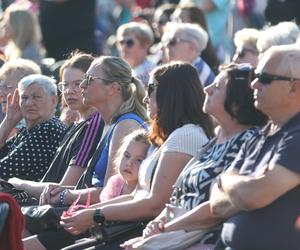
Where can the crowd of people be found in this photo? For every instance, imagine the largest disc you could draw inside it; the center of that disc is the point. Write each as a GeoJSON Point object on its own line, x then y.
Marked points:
{"type": "Point", "coordinates": [152, 111]}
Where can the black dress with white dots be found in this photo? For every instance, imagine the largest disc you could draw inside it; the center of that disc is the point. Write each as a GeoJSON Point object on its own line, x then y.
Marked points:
{"type": "Point", "coordinates": [29, 154]}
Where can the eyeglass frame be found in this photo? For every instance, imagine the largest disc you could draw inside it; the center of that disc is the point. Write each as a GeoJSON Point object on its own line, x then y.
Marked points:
{"type": "Point", "coordinates": [174, 40]}
{"type": "Point", "coordinates": [89, 78]}
{"type": "Point", "coordinates": [61, 85]}
{"type": "Point", "coordinates": [5, 87]}
{"type": "Point", "coordinates": [129, 43]}
{"type": "Point", "coordinates": [150, 89]}
{"type": "Point", "coordinates": [272, 78]}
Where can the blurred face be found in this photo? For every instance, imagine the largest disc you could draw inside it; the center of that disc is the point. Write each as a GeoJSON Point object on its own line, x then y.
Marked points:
{"type": "Point", "coordinates": [178, 49]}
{"type": "Point", "coordinates": [8, 84]}
{"type": "Point", "coordinates": [246, 55]}
{"type": "Point", "coordinates": [130, 48]}
{"type": "Point", "coordinates": [36, 105]}
{"type": "Point", "coordinates": [132, 158]}
{"type": "Point", "coordinates": [70, 87]}
{"type": "Point", "coordinates": [150, 99]}
{"type": "Point", "coordinates": [215, 95]}
{"type": "Point", "coordinates": [271, 93]}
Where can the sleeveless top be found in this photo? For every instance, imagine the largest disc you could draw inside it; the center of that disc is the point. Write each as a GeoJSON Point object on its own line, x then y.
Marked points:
{"type": "Point", "coordinates": [101, 165]}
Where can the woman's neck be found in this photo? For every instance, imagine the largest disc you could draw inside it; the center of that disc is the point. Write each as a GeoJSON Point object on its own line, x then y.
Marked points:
{"type": "Point", "coordinates": [86, 113]}
{"type": "Point", "coordinates": [109, 109]}
{"type": "Point", "coordinates": [228, 129]}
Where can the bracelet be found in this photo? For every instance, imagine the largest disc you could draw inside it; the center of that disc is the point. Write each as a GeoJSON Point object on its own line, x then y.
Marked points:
{"type": "Point", "coordinates": [62, 197]}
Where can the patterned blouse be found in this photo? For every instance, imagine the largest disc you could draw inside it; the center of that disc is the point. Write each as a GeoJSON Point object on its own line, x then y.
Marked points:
{"type": "Point", "coordinates": [29, 154]}
{"type": "Point", "coordinates": [197, 178]}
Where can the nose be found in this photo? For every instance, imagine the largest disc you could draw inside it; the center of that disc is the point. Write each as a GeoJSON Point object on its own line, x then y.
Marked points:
{"type": "Point", "coordinates": [255, 84]}
{"type": "Point", "coordinates": [208, 89]}
{"type": "Point", "coordinates": [146, 99]}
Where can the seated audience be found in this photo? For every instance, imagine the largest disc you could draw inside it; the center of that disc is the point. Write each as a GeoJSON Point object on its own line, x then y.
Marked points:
{"type": "Point", "coordinates": [178, 129]}
{"type": "Point", "coordinates": [185, 42]}
{"type": "Point", "coordinates": [230, 101]}
{"type": "Point", "coordinates": [80, 140]}
{"type": "Point", "coordinates": [260, 195]}
{"type": "Point", "coordinates": [133, 42]}
{"type": "Point", "coordinates": [29, 154]}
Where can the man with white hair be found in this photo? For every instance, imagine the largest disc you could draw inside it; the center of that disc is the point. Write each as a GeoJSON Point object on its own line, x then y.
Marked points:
{"type": "Point", "coordinates": [260, 195]}
{"type": "Point", "coordinates": [185, 42]}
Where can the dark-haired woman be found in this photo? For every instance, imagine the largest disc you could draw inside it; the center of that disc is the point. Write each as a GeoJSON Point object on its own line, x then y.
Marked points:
{"type": "Point", "coordinates": [230, 101]}
{"type": "Point", "coordinates": [179, 128]}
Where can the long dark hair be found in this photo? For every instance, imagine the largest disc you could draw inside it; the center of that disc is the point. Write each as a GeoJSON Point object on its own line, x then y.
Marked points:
{"type": "Point", "coordinates": [179, 98]}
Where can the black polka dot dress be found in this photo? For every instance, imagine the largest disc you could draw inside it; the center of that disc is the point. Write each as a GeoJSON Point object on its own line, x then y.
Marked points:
{"type": "Point", "coordinates": [29, 154]}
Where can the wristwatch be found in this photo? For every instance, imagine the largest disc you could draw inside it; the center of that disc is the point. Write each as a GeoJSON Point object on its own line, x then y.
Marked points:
{"type": "Point", "coordinates": [98, 216]}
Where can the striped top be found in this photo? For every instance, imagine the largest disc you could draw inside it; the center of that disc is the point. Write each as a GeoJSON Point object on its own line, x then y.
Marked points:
{"type": "Point", "coordinates": [88, 140]}
{"type": "Point", "coordinates": [206, 75]}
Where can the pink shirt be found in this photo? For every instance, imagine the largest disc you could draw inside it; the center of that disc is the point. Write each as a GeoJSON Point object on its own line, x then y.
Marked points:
{"type": "Point", "coordinates": [113, 188]}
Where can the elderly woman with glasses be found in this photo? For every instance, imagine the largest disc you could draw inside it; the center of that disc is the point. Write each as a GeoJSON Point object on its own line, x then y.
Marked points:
{"type": "Point", "coordinates": [29, 154]}
{"type": "Point", "coordinates": [230, 101]}
{"type": "Point", "coordinates": [185, 42]}
{"type": "Point", "coordinates": [133, 42]}
{"type": "Point", "coordinates": [246, 50]}
{"type": "Point", "coordinates": [81, 138]}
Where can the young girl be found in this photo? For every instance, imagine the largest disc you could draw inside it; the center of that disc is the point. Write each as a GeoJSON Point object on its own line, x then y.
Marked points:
{"type": "Point", "coordinates": [131, 153]}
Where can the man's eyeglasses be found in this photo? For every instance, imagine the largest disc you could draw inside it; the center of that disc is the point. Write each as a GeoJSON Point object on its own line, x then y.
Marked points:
{"type": "Point", "coordinates": [151, 87]}
{"type": "Point", "coordinates": [173, 41]}
{"type": "Point", "coordinates": [64, 86]}
{"type": "Point", "coordinates": [266, 78]}
{"type": "Point", "coordinates": [127, 42]}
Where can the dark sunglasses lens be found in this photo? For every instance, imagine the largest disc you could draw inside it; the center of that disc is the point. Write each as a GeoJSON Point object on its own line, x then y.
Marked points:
{"type": "Point", "coordinates": [172, 42]}
{"type": "Point", "coordinates": [150, 89]}
{"type": "Point", "coordinates": [264, 79]}
{"type": "Point", "coordinates": [129, 43]}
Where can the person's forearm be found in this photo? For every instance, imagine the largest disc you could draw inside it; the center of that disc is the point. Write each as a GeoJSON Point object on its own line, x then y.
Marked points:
{"type": "Point", "coordinates": [84, 193]}
{"type": "Point", "coordinates": [32, 187]}
{"type": "Point", "coordinates": [200, 217]}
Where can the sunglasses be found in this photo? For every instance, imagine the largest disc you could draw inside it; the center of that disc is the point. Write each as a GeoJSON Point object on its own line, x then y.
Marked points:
{"type": "Point", "coordinates": [127, 42]}
{"type": "Point", "coordinates": [243, 52]}
{"type": "Point", "coordinates": [173, 41]}
{"type": "Point", "coordinates": [266, 78]}
{"type": "Point", "coordinates": [151, 87]}
{"type": "Point", "coordinates": [89, 78]}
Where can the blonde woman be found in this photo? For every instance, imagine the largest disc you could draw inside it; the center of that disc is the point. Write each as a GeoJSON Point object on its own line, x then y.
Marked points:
{"type": "Point", "coordinates": [20, 32]}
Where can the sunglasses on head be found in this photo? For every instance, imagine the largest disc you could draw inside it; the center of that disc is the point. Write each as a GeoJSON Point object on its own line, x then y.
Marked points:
{"type": "Point", "coordinates": [266, 78]}
{"type": "Point", "coordinates": [151, 87]}
{"type": "Point", "coordinates": [127, 42]}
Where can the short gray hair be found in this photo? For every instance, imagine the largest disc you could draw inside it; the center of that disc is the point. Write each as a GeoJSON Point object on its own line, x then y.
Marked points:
{"type": "Point", "coordinates": [142, 31]}
{"type": "Point", "coordinates": [47, 83]}
{"type": "Point", "coordinates": [246, 37]}
{"type": "Point", "coordinates": [188, 31]}
{"type": "Point", "coordinates": [280, 34]}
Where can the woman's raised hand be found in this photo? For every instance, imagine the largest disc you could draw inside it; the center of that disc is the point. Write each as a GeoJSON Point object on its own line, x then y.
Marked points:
{"type": "Point", "coordinates": [13, 111]}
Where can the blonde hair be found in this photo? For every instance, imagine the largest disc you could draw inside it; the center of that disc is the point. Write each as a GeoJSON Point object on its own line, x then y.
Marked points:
{"type": "Point", "coordinates": [139, 135]}
{"type": "Point", "coordinates": [115, 69]}
{"type": "Point", "coordinates": [20, 68]}
{"type": "Point", "coordinates": [142, 31]}
{"type": "Point", "coordinates": [25, 28]}
{"type": "Point", "coordinates": [246, 37]}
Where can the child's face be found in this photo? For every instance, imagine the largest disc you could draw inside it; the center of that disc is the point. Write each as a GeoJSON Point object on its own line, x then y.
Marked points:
{"type": "Point", "coordinates": [134, 154]}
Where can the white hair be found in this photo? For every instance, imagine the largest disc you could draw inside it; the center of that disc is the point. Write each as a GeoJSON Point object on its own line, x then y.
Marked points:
{"type": "Point", "coordinates": [47, 83]}
{"type": "Point", "coordinates": [188, 31]}
{"type": "Point", "coordinates": [246, 37]}
{"type": "Point", "coordinates": [281, 34]}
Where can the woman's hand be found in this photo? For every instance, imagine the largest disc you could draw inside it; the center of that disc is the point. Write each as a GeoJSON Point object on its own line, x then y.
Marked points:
{"type": "Point", "coordinates": [128, 245]}
{"type": "Point", "coordinates": [154, 227]}
{"type": "Point", "coordinates": [13, 111]}
{"type": "Point", "coordinates": [79, 221]}
{"type": "Point", "coordinates": [50, 195]}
